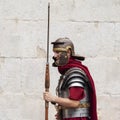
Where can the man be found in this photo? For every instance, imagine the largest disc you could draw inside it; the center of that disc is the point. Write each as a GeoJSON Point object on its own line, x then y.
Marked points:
{"type": "Point", "coordinates": [76, 98]}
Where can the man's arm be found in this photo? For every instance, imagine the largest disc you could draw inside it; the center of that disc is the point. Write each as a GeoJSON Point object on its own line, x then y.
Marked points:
{"type": "Point", "coordinates": [66, 102]}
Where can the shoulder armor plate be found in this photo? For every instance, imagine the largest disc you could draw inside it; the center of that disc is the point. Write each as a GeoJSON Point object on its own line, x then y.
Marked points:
{"type": "Point", "coordinates": [75, 77]}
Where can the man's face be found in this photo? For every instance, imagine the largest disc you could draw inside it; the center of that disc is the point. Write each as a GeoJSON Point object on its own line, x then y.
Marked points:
{"type": "Point", "coordinates": [61, 58]}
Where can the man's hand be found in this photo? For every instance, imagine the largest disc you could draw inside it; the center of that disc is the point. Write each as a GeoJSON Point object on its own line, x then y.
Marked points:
{"type": "Point", "coordinates": [66, 102]}
{"type": "Point", "coordinates": [48, 97]}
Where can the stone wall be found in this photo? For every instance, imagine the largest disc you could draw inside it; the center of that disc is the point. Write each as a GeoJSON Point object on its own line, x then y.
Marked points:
{"type": "Point", "coordinates": [94, 28]}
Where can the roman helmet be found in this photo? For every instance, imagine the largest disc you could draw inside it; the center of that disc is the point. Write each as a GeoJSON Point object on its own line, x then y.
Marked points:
{"type": "Point", "coordinates": [62, 45]}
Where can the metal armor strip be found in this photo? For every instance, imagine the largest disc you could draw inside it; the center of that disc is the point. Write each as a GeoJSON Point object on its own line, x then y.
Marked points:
{"type": "Point", "coordinates": [75, 77]}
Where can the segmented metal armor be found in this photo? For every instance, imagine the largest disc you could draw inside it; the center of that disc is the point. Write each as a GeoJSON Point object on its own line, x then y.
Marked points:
{"type": "Point", "coordinates": [74, 77]}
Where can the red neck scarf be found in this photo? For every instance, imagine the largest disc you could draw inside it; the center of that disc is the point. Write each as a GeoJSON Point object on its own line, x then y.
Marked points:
{"type": "Point", "coordinates": [76, 63]}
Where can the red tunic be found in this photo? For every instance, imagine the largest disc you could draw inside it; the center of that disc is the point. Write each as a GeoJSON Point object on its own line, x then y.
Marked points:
{"type": "Point", "coordinates": [76, 93]}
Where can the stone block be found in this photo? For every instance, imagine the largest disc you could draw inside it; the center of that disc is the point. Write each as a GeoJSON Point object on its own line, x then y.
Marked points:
{"type": "Point", "coordinates": [97, 38]}
{"type": "Point", "coordinates": [23, 10]}
{"type": "Point", "coordinates": [10, 75]}
{"type": "Point", "coordinates": [105, 72]}
{"type": "Point", "coordinates": [79, 10]}
{"type": "Point", "coordinates": [26, 39]}
{"type": "Point", "coordinates": [33, 76]}
{"type": "Point", "coordinates": [107, 105]}
{"type": "Point", "coordinates": [21, 107]}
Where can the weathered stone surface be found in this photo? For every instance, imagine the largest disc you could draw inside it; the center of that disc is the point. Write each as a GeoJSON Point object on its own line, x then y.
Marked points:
{"type": "Point", "coordinates": [24, 39]}
{"type": "Point", "coordinates": [107, 106]}
{"type": "Point", "coordinates": [94, 28]}
{"type": "Point", "coordinates": [86, 10]}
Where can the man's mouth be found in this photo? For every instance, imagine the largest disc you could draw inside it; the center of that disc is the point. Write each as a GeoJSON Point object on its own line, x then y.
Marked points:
{"type": "Point", "coordinates": [55, 61]}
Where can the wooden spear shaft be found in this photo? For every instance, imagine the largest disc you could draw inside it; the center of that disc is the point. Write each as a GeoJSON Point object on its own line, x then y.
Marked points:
{"type": "Point", "coordinates": [47, 75]}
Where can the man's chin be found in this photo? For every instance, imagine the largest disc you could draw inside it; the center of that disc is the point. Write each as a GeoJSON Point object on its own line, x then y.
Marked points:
{"type": "Point", "coordinates": [54, 64]}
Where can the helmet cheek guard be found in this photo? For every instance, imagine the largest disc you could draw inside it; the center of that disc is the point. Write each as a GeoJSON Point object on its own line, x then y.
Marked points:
{"type": "Point", "coordinates": [62, 60]}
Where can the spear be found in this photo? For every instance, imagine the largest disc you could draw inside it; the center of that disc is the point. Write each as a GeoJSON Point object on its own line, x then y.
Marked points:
{"type": "Point", "coordinates": [47, 75]}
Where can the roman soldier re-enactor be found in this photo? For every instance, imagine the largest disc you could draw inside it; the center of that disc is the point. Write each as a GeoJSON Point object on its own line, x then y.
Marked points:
{"type": "Point", "coordinates": [76, 95]}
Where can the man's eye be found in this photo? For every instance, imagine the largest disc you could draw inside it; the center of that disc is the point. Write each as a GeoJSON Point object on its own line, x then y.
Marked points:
{"type": "Point", "coordinates": [57, 52]}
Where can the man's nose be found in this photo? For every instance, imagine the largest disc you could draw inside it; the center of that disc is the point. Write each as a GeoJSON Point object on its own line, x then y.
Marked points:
{"type": "Point", "coordinates": [55, 54]}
